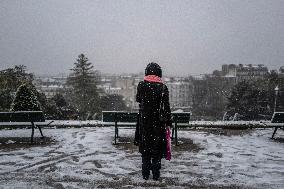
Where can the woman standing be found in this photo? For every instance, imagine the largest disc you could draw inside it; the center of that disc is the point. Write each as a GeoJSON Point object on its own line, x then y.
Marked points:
{"type": "Point", "coordinates": [150, 131]}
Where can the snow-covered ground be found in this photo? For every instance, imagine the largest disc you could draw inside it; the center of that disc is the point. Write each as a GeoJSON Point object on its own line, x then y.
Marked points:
{"type": "Point", "coordinates": [86, 158]}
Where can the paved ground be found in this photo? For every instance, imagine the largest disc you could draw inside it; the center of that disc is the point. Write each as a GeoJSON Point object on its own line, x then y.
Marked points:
{"type": "Point", "coordinates": [86, 158]}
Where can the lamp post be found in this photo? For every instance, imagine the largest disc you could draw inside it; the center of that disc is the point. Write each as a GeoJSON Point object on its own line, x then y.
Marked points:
{"type": "Point", "coordinates": [275, 98]}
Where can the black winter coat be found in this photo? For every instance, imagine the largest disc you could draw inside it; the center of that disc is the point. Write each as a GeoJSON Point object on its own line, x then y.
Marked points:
{"type": "Point", "coordinates": [150, 131]}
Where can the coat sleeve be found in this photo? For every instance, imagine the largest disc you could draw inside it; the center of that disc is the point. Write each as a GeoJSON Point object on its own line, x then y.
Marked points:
{"type": "Point", "coordinates": [167, 107]}
{"type": "Point", "coordinates": [138, 94]}
{"type": "Point", "coordinates": [137, 131]}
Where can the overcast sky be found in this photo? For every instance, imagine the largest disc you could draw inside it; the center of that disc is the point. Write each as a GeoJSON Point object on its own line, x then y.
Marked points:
{"type": "Point", "coordinates": [122, 36]}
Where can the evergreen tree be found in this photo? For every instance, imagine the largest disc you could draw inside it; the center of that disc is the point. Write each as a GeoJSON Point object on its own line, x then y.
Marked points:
{"type": "Point", "coordinates": [10, 80]}
{"type": "Point", "coordinates": [59, 100]}
{"type": "Point", "coordinates": [25, 99]}
{"type": "Point", "coordinates": [113, 102]}
{"type": "Point", "coordinates": [246, 100]}
{"type": "Point", "coordinates": [59, 109]}
{"type": "Point", "coordinates": [269, 83]}
{"type": "Point", "coordinates": [6, 98]}
{"type": "Point", "coordinates": [84, 93]}
{"type": "Point", "coordinates": [211, 99]}
{"type": "Point", "coordinates": [256, 99]}
{"type": "Point", "coordinates": [267, 87]}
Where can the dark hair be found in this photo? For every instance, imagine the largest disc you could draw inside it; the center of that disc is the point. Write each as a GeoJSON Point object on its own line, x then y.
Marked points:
{"type": "Point", "coordinates": [153, 69]}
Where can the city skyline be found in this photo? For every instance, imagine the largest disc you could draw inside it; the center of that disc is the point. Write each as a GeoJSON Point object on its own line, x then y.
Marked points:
{"type": "Point", "coordinates": [125, 74]}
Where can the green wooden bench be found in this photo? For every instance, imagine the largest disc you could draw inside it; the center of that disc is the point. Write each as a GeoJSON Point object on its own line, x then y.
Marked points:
{"type": "Point", "coordinates": [119, 119]}
{"type": "Point", "coordinates": [129, 119]}
{"type": "Point", "coordinates": [180, 120]}
{"type": "Point", "coordinates": [24, 116]}
{"type": "Point", "coordinates": [278, 117]}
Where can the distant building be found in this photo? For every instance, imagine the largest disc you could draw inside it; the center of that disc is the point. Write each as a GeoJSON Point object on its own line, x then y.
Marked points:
{"type": "Point", "coordinates": [180, 94]}
{"type": "Point", "coordinates": [50, 86]}
{"type": "Point", "coordinates": [245, 72]}
{"type": "Point", "coordinates": [135, 105]}
{"type": "Point", "coordinates": [50, 90]}
{"type": "Point", "coordinates": [120, 85]}
{"type": "Point", "coordinates": [281, 70]}
{"type": "Point", "coordinates": [200, 90]}
{"type": "Point", "coordinates": [229, 70]}
{"type": "Point", "coordinates": [112, 90]}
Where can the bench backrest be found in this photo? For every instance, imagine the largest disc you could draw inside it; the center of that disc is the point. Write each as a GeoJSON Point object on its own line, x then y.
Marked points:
{"type": "Point", "coordinates": [182, 117]}
{"type": "Point", "coordinates": [278, 117]}
{"type": "Point", "coordinates": [111, 116]}
{"type": "Point", "coordinates": [129, 117]}
{"type": "Point", "coordinates": [22, 116]}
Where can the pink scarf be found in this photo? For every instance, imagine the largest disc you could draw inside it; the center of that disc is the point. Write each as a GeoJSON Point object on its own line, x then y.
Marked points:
{"type": "Point", "coordinates": [153, 78]}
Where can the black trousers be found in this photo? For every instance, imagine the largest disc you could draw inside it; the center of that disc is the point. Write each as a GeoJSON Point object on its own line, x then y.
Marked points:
{"type": "Point", "coordinates": [150, 163]}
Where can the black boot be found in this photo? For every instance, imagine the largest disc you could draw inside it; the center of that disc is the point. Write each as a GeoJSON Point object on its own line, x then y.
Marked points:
{"type": "Point", "coordinates": [146, 166]}
{"type": "Point", "coordinates": [156, 166]}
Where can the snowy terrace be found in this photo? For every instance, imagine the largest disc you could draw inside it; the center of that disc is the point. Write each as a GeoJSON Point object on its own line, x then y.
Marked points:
{"type": "Point", "coordinates": [86, 158]}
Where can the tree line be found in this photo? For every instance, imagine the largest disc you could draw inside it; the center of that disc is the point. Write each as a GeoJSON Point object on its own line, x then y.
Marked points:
{"type": "Point", "coordinates": [257, 99]}
{"type": "Point", "coordinates": [80, 100]}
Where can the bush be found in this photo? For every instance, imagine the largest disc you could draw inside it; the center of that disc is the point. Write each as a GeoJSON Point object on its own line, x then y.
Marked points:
{"type": "Point", "coordinates": [25, 99]}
